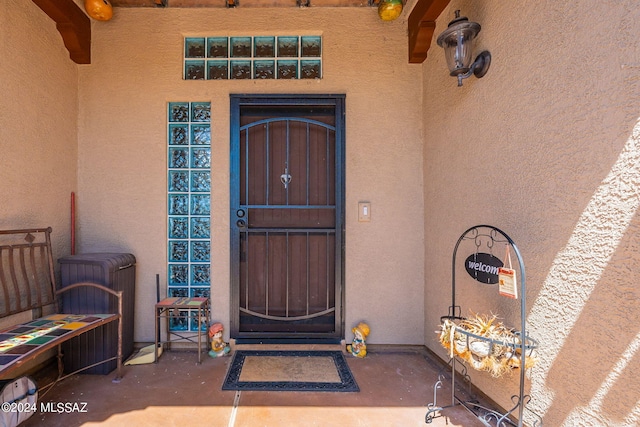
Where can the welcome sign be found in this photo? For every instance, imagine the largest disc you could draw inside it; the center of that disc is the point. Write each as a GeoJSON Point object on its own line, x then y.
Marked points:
{"type": "Point", "coordinates": [483, 267]}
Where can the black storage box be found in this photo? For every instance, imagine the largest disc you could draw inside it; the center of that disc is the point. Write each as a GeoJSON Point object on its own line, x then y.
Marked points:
{"type": "Point", "coordinates": [116, 271]}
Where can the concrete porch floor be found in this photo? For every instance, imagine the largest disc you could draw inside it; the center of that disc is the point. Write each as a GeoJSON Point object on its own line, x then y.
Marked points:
{"type": "Point", "coordinates": [395, 387]}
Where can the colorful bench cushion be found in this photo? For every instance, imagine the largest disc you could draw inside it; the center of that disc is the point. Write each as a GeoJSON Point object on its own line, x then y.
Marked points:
{"type": "Point", "coordinates": [23, 342]}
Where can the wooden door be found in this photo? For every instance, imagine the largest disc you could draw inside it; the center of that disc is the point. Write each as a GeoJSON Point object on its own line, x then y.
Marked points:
{"type": "Point", "coordinates": [287, 217]}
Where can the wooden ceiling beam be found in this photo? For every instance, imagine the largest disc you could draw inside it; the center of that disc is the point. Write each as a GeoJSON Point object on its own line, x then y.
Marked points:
{"type": "Point", "coordinates": [73, 25]}
{"type": "Point", "coordinates": [241, 3]}
{"type": "Point", "coordinates": [422, 24]}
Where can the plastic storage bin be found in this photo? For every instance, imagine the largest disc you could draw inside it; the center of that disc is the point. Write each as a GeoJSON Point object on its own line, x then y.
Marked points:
{"type": "Point", "coordinates": [116, 271]}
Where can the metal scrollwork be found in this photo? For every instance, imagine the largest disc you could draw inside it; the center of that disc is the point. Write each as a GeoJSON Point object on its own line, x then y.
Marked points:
{"type": "Point", "coordinates": [285, 178]}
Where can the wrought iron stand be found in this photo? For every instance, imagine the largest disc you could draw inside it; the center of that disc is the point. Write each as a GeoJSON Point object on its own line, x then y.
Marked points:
{"type": "Point", "coordinates": [489, 237]}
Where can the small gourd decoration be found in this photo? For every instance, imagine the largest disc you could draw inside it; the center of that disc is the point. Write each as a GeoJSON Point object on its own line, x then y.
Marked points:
{"type": "Point", "coordinates": [100, 10]}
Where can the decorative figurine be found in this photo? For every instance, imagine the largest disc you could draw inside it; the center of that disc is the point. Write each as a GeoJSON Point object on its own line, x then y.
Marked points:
{"type": "Point", "coordinates": [219, 348]}
{"type": "Point", "coordinates": [358, 347]}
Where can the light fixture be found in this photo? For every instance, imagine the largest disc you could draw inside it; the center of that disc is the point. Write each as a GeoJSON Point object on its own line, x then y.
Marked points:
{"type": "Point", "coordinates": [457, 41]}
{"type": "Point", "coordinates": [388, 10]}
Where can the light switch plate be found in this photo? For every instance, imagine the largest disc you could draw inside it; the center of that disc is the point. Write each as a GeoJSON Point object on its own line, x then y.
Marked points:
{"type": "Point", "coordinates": [364, 211]}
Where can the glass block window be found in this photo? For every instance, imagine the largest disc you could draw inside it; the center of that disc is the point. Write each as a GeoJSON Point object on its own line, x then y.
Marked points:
{"type": "Point", "coordinates": [189, 206]}
{"type": "Point", "coordinates": [253, 57]}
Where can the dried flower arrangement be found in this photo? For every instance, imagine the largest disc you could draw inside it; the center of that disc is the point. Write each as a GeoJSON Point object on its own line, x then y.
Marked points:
{"type": "Point", "coordinates": [486, 344]}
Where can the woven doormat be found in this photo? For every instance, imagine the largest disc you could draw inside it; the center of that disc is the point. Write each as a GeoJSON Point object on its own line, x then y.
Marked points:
{"type": "Point", "coordinates": [289, 371]}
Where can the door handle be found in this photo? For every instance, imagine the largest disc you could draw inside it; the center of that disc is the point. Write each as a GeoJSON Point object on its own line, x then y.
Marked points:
{"type": "Point", "coordinates": [241, 223]}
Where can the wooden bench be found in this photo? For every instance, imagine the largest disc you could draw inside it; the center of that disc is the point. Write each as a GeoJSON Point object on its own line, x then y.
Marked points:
{"type": "Point", "coordinates": [28, 292]}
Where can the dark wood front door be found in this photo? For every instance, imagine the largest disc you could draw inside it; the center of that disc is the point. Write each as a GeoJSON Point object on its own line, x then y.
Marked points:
{"type": "Point", "coordinates": [287, 216]}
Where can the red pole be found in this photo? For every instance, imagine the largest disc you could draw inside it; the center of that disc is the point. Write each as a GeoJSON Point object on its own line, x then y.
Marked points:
{"type": "Point", "coordinates": [73, 223]}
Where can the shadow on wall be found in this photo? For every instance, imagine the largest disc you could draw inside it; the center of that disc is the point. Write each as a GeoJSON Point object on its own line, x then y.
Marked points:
{"type": "Point", "coordinates": [586, 313]}
{"type": "Point", "coordinates": [599, 360]}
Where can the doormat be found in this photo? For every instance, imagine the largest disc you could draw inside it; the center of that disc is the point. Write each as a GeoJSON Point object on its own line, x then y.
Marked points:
{"type": "Point", "coordinates": [289, 371]}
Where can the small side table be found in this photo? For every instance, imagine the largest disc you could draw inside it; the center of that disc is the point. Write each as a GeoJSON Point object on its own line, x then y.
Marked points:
{"type": "Point", "coordinates": [164, 310]}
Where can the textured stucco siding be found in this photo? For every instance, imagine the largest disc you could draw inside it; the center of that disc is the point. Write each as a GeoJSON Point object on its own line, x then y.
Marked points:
{"type": "Point", "coordinates": [136, 69]}
{"type": "Point", "coordinates": [38, 131]}
{"type": "Point", "coordinates": [546, 148]}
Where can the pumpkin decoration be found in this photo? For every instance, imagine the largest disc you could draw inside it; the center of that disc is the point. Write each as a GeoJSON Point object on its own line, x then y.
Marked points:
{"type": "Point", "coordinates": [100, 10]}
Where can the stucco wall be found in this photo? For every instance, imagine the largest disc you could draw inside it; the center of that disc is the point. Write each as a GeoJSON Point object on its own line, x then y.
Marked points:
{"type": "Point", "coordinates": [136, 70]}
{"type": "Point", "coordinates": [546, 147]}
{"type": "Point", "coordinates": [38, 134]}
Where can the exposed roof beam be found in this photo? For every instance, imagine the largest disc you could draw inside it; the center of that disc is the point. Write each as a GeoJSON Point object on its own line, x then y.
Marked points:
{"type": "Point", "coordinates": [73, 25]}
{"type": "Point", "coordinates": [422, 24]}
{"type": "Point", "coordinates": [241, 3]}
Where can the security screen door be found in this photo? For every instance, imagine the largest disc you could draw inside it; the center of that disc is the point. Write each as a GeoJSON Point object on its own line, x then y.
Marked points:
{"type": "Point", "coordinates": [287, 217]}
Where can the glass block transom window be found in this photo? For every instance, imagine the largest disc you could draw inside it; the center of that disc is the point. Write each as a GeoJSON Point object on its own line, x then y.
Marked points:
{"type": "Point", "coordinates": [189, 206]}
{"type": "Point", "coordinates": [258, 57]}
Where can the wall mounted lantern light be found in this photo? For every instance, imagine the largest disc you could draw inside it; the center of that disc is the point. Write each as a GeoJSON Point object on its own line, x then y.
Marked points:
{"type": "Point", "coordinates": [457, 41]}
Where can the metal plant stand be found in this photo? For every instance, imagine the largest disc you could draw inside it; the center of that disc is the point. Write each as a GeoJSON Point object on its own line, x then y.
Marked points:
{"type": "Point", "coordinates": [491, 239]}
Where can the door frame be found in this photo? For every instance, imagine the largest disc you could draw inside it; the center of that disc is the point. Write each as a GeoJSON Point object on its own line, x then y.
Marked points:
{"type": "Point", "coordinates": [237, 101]}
